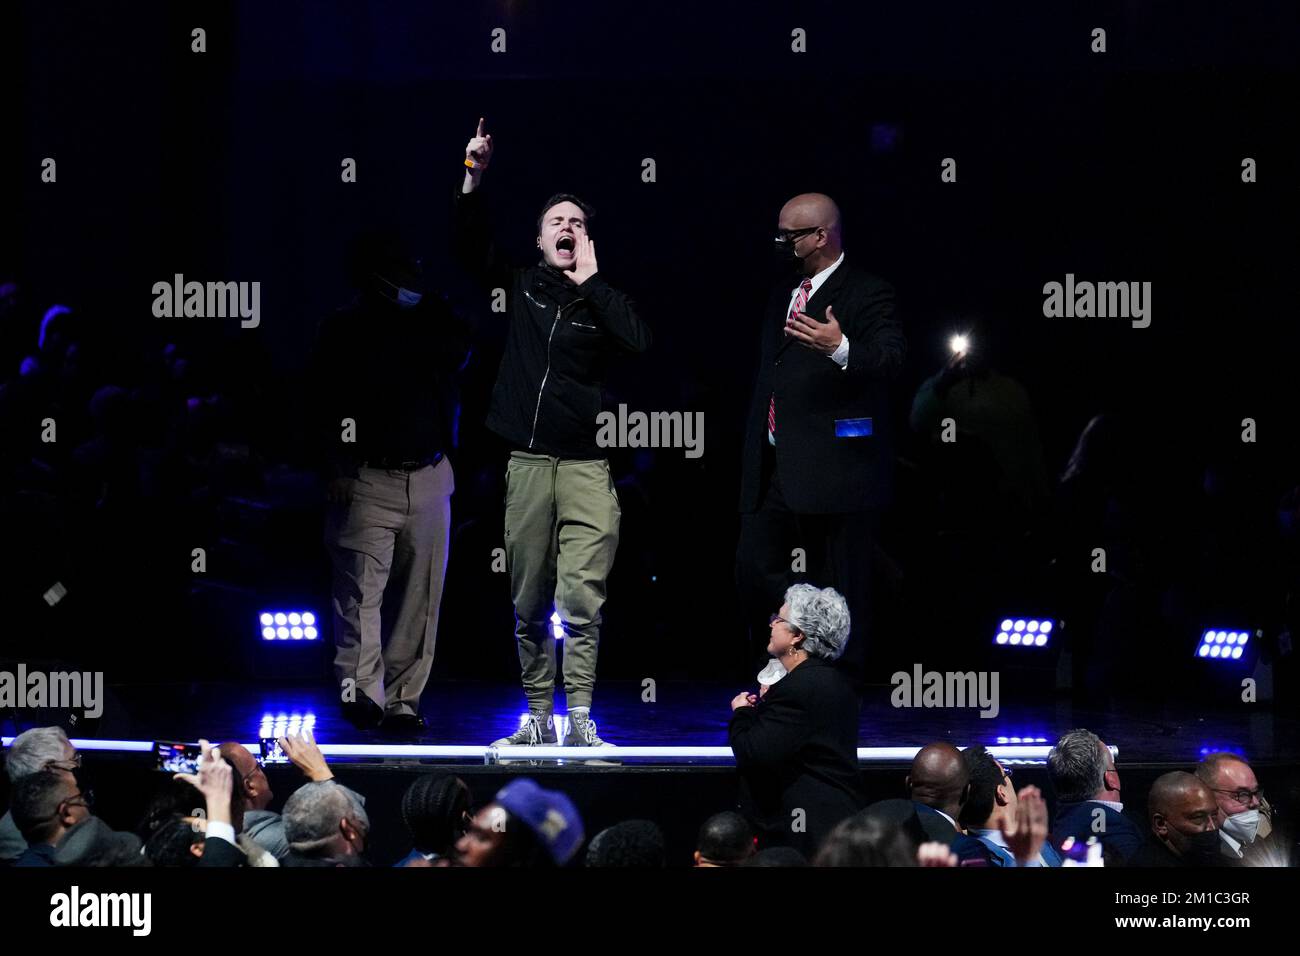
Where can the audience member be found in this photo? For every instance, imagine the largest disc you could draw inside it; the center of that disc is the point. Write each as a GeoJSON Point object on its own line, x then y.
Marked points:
{"type": "Point", "coordinates": [725, 839]}
{"type": "Point", "coordinates": [1087, 789]}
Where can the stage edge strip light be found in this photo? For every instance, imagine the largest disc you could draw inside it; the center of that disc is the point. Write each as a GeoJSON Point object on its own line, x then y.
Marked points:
{"type": "Point", "coordinates": [491, 754]}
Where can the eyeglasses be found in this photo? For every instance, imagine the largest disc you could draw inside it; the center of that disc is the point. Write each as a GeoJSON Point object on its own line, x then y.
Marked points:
{"type": "Point", "coordinates": [794, 235]}
{"type": "Point", "coordinates": [775, 618]}
{"type": "Point", "coordinates": [84, 798]}
{"type": "Point", "coordinates": [1243, 796]}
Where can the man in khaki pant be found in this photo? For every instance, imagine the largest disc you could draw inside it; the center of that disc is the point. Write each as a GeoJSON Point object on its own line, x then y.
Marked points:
{"type": "Point", "coordinates": [562, 514]}
{"type": "Point", "coordinates": [562, 521]}
{"type": "Point", "coordinates": [389, 539]}
{"type": "Point", "coordinates": [386, 403]}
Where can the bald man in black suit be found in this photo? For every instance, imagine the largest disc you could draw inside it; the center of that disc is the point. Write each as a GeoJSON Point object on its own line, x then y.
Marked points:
{"type": "Point", "coordinates": [817, 461]}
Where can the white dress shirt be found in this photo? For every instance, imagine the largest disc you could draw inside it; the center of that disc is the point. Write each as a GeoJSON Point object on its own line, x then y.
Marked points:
{"type": "Point", "coordinates": [841, 354]}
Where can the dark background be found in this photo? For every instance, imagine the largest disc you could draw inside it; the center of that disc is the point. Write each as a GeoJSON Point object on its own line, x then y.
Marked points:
{"type": "Point", "coordinates": [225, 166]}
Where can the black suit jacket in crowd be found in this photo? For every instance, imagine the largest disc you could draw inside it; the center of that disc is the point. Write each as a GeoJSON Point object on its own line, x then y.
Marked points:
{"type": "Point", "coordinates": [820, 472]}
{"type": "Point", "coordinates": [797, 749]}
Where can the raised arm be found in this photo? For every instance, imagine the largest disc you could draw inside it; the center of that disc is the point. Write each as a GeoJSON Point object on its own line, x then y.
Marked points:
{"type": "Point", "coordinates": [471, 235]}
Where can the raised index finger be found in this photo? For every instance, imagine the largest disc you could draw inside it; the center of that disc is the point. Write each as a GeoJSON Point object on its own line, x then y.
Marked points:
{"type": "Point", "coordinates": [480, 127]}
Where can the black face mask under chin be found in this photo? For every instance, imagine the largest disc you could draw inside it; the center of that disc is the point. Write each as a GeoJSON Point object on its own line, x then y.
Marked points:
{"type": "Point", "coordinates": [1201, 849]}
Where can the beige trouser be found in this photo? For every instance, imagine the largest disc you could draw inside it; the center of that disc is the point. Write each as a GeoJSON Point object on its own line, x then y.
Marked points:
{"type": "Point", "coordinates": [561, 532]}
{"type": "Point", "coordinates": [390, 542]}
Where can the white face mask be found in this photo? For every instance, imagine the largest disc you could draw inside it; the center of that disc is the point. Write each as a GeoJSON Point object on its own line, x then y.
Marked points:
{"type": "Point", "coordinates": [1243, 826]}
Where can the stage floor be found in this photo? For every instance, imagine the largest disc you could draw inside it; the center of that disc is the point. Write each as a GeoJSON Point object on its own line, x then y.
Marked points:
{"type": "Point", "coordinates": [684, 714]}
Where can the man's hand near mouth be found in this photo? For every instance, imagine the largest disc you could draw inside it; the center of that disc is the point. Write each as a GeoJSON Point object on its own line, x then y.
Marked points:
{"type": "Point", "coordinates": [585, 262]}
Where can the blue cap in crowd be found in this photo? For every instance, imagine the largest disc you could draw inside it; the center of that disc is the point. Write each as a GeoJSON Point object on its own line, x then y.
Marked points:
{"type": "Point", "coordinates": [548, 813]}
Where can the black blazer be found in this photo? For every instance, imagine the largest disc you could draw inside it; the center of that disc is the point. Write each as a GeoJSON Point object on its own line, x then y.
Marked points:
{"type": "Point", "coordinates": [219, 853]}
{"type": "Point", "coordinates": [1120, 837]}
{"type": "Point", "coordinates": [797, 750]}
{"type": "Point", "coordinates": [822, 473]}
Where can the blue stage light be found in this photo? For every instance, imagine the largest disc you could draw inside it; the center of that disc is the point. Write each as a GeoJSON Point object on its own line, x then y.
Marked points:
{"type": "Point", "coordinates": [1021, 740]}
{"type": "Point", "coordinates": [1213, 748]}
{"type": "Point", "coordinates": [557, 626]}
{"type": "Point", "coordinates": [281, 724]}
{"type": "Point", "coordinates": [1023, 632]}
{"type": "Point", "coordinates": [1222, 645]}
{"type": "Point", "coordinates": [288, 625]}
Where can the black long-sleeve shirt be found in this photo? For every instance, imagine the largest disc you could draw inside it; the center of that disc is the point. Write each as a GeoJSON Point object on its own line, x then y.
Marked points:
{"type": "Point", "coordinates": [392, 371]}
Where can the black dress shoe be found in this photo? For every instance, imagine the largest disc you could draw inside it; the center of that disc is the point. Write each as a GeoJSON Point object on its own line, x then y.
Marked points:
{"type": "Point", "coordinates": [363, 714]}
{"type": "Point", "coordinates": [403, 725]}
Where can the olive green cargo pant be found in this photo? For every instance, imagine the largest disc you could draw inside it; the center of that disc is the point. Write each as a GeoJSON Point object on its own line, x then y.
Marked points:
{"type": "Point", "coordinates": [562, 518]}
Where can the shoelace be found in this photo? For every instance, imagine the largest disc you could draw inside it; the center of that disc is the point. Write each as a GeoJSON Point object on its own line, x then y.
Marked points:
{"type": "Point", "coordinates": [528, 726]}
{"type": "Point", "coordinates": [534, 730]}
{"type": "Point", "coordinates": [587, 729]}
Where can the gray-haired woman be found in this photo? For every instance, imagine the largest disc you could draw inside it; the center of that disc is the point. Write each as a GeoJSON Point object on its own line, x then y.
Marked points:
{"type": "Point", "coordinates": [796, 749]}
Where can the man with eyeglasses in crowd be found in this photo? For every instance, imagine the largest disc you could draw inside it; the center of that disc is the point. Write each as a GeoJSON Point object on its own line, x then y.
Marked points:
{"type": "Point", "coordinates": [1011, 825]}
{"type": "Point", "coordinates": [1244, 818]}
{"type": "Point", "coordinates": [34, 750]}
{"type": "Point", "coordinates": [46, 805]}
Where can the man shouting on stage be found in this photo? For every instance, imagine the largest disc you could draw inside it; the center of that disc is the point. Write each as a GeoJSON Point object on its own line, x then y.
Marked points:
{"type": "Point", "coordinates": [562, 512]}
{"type": "Point", "coordinates": [817, 461]}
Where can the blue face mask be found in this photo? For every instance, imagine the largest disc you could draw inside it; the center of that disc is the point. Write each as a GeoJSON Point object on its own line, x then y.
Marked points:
{"type": "Point", "coordinates": [404, 298]}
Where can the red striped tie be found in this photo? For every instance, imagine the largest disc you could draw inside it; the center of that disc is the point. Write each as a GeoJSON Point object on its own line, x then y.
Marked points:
{"type": "Point", "coordinates": [799, 302]}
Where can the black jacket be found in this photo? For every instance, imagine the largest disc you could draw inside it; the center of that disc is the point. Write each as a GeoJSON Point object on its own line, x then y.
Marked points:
{"type": "Point", "coordinates": [560, 340]}
{"type": "Point", "coordinates": [822, 473]}
{"type": "Point", "coordinates": [219, 853]}
{"type": "Point", "coordinates": [393, 372]}
{"type": "Point", "coordinates": [798, 750]}
{"type": "Point", "coordinates": [1154, 853]}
